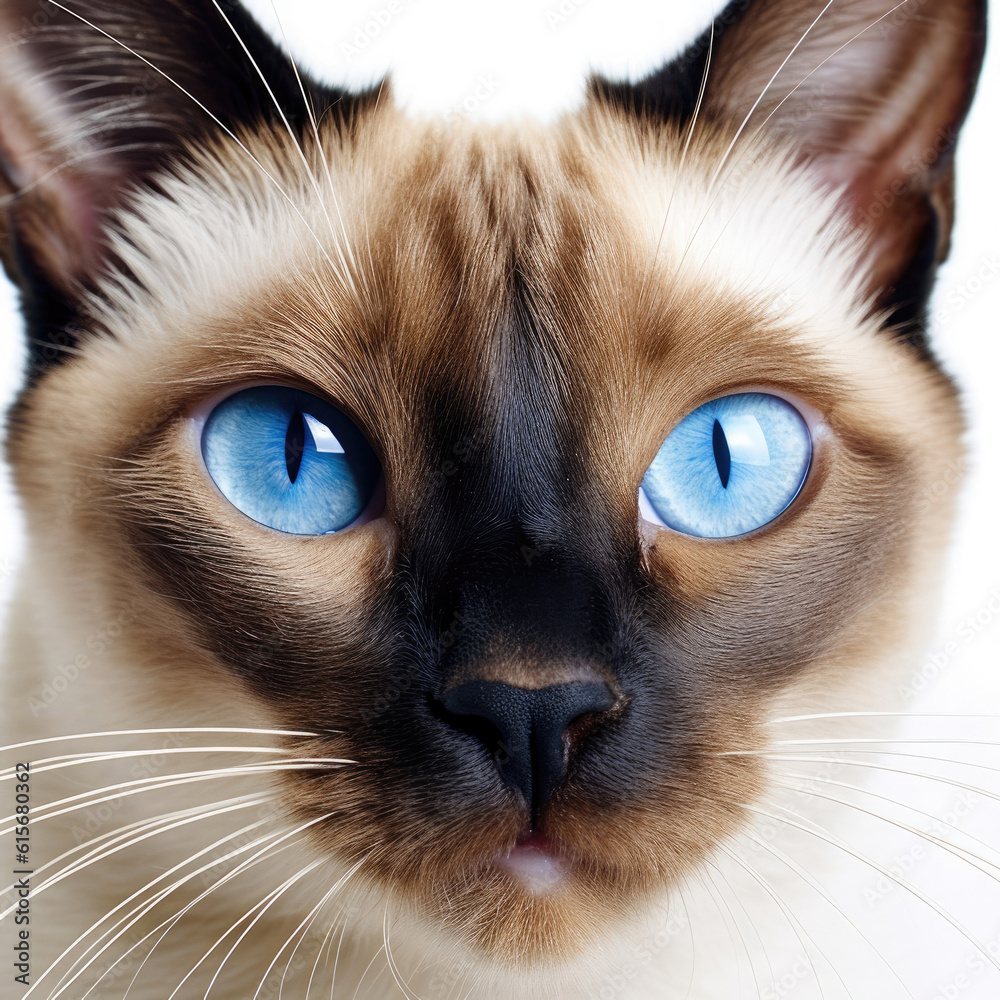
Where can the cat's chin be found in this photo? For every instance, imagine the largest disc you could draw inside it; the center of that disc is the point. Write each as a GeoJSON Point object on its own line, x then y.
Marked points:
{"type": "Point", "coordinates": [533, 922]}
{"type": "Point", "coordinates": [538, 904]}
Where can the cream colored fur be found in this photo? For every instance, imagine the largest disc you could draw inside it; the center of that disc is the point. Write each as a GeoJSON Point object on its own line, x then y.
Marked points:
{"type": "Point", "coordinates": [231, 241]}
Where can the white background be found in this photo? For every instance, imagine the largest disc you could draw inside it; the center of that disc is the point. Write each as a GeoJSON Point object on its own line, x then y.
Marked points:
{"type": "Point", "coordinates": [440, 51]}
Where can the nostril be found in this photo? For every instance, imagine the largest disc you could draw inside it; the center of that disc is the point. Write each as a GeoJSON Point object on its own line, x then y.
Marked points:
{"type": "Point", "coordinates": [528, 731]}
{"type": "Point", "coordinates": [485, 731]}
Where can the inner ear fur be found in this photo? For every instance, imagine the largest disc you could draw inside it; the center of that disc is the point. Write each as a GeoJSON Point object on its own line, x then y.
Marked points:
{"type": "Point", "coordinates": [872, 93]}
{"type": "Point", "coordinates": [85, 122]}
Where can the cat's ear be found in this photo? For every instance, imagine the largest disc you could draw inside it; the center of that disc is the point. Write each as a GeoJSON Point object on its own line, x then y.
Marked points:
{"type": "Point", "coordinates": [96, 97]}
{"type": "Point", "coordinates": [870, 92]}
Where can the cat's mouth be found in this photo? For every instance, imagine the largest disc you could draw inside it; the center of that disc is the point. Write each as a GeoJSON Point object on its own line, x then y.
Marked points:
{"type": "Point", "coordinates": [512, 884]}
{"type": "Point", "coordinates": [536, 864]}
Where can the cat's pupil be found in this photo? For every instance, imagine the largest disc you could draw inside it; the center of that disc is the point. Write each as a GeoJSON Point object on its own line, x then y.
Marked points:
{"type": "Point", "coordinates": [295, 444]}
{"type": "Point", "coordinates": [720, 446]}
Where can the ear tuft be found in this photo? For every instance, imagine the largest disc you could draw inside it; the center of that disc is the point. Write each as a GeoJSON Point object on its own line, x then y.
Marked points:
{"type": "Point", "coordinates": [872, 94]}
{"type": "Point", "coordinates": [99, 96]}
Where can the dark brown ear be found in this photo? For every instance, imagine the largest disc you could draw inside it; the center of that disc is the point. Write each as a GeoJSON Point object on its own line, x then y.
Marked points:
{"type": "Point", "coordinates": [93, 105]}
{"type": "Point", "coordinates": [872, 92]}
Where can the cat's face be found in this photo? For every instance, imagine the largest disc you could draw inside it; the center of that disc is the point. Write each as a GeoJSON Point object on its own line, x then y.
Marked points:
{"type": "Point", "coordinates": [515, 321]}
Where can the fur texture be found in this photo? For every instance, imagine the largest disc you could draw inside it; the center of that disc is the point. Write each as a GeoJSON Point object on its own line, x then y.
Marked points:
{"type": "Point", "coordinates": [516, 318]}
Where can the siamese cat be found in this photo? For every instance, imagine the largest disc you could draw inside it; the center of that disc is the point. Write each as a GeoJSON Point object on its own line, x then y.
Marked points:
{"type": "Point", "coordinates": [437, 530]}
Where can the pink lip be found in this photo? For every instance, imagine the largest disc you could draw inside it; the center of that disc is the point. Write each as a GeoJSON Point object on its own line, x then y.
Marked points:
{"type": "Point", "coordinates": [534, 864]}
{"type": "Point", "coordinates": [533, 839]}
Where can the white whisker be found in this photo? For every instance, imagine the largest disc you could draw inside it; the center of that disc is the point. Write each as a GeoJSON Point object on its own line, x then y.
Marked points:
{"type": "Point", "coordinates": [97, 756]}
{"type": "Point", "coordinates": [229, 132]}
{"type": "Point", "coordinates": [270, 842]}
{"type": "Point", "coordinates": [753, 927]}
{"type": "Point", "coordinates": [149, 828]}
{"type": "Point", "coordinates": [793, 921]}
{"type": "Point", "coordinates": [953, 782]}
{"type": "Point", "coordinates": [834, 841]}
{"type": "Point", "coordinates": [265, 854]}
{"type": "Point", "coordinates": [364, 196]}
{"type": "Point", "coordinates": [726, 912]}
{"type": "Point", "coordinates": [304, 926]}
{"type": "Point", "coordinates": [295, 142]}
{"type": "Point", "coordinates": [139, 785]}
{"type": "Point", "coordinates": [404, 987]}
{"type": "Point", "coordinates": [763, 93]}
{"type": "Point", "coordinates": [364, 975]}
{"type": "Point", "coordinates": [895, 802]}
{"type": "Point", "coordinates": [264, 905]}
{"type": "Point", "coordinates": [820, 65]}
{"type": "Point", "coordinates": [145, 906]}
{"type": "Point", "coordinates": [885, 740]}
{"type": "Point", "coordinates": [883, 715]}
{"type": "Point", "coordinates": [713, 195]}
{"type": "Point", "coordinates": [336, 960]}
{"type": "Point", "coordinates": [684, 155]}
{"type": "Point", "coordinates": [690, 933]}
{"type": "Point", "coordinates": [963, 854]}
{"type": "Point", "coordinates": [153, 732]}
{"type": "Point", "coordinates": [314, 125]}
{"type": "Point", "coordinates": [790, 863]}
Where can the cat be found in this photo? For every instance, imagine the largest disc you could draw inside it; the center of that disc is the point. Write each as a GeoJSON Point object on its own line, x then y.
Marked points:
{"type": "Point", "coordinates": [440, 528]}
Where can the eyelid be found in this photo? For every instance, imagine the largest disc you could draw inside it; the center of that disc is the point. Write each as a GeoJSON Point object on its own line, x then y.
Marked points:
{"type": "Point", "coordinates": [817, 424]}
{"type": "Point", "coordinates": [810, 413]}
{"type": "Point", "coordinates": [201, 410]}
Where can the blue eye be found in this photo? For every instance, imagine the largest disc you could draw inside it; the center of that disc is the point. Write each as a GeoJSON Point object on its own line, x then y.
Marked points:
{"type": "Point", "coordinates": [728, 467]}
{"type": "Point", "coordinates": [290, 460]}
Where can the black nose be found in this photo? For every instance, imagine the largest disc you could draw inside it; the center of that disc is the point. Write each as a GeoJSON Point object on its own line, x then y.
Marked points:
{"type": "Point", "coordinates": [526, 730]}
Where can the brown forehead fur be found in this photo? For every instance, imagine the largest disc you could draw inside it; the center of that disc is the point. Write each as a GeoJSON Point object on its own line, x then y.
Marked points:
{"type": "Point", "coordinates": [460, 236]}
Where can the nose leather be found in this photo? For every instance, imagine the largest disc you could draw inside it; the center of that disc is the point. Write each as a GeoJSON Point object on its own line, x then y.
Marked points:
{"type": "Point", "coordinates": [526, 729]}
